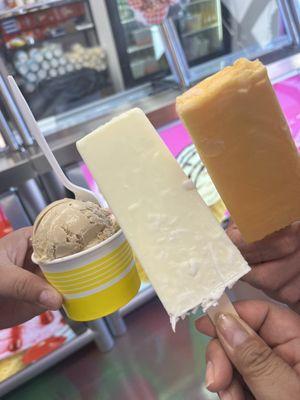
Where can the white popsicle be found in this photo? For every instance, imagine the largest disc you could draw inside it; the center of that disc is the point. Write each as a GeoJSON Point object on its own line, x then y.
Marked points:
{"type": "Point", "coordinates": [185, 253]}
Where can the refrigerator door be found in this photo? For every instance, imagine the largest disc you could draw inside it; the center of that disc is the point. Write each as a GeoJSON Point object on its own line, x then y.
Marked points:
{"type": "Point", "coordinates": [251, 29]}
{"type": "Point", "coordinates": [201, 31]}
{"type": "Point", "coordinates": [52, 50]}
{"type": "Point", "coordinates": [141, 49]}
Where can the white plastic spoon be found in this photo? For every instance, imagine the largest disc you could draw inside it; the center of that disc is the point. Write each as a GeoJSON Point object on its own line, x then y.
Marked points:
{"type": "Point", "coordinates": [79, 192]}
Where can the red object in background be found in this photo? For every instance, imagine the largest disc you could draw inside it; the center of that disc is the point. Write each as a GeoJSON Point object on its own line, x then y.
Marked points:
{"type": "Point", "coordinates": [153, 11]}
{"type": "Point", "coordinates": [46, 318]}
{"type": "Point", "coordinates": [70, 11]}
{"type": "Point", "coordinates": [15, 342]}
{"type": "Point", "coordinates": [43, 19]}
{"type": "Point", "coordinates": [42, 349]}
{"type": "Point", "coordinates": [39, 34]}
{"type": "Point", "coordinates": [5, 226]}
{"type": "Point", "coordinates": [25, 22]}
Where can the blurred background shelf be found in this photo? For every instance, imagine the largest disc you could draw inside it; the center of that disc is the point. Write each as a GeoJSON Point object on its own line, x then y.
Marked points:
{"type": "Point", "coordinates": [77, 30]}
{"type": "Point", "coordinates": [195, 32]}
{"type": "Point", "coordinates": [134, 49]}
{"type": "Point", "coordinates": [128, 21]}
{"type": "Point", "coordinates": [30, 8]}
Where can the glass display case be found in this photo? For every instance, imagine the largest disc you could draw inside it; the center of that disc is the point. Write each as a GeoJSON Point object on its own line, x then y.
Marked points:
{"type": "Point", "coordinates": [77, 59]}
{"type": "Point", "coordinates": [140, 48]}
{"type": "Point", "coordinates": [52, 50]}
{"type": "Point", "coordinates": [201, 32]}
{"type": "Point", "coordinates": [251, 29]}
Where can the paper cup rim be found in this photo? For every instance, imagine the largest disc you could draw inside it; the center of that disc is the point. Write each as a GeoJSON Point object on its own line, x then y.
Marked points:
{"type": "Point", "coordinates": [80, 253]}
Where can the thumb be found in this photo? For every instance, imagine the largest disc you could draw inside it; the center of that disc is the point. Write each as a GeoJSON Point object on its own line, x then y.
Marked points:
{"type": "Point", "coordinates": [19, 284]}
{"type": "Point", "coordinates": [266, 375]}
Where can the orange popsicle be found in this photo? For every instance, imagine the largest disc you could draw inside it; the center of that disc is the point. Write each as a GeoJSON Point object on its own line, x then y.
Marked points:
{"type": "Point", "coordinates": [242, 136]}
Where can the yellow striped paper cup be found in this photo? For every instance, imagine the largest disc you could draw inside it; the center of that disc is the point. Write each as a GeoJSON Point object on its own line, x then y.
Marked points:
{"type": "Point", "coordinates": [97, 281]}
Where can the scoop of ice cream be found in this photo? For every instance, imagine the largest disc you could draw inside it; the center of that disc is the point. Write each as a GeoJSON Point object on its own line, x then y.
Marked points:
{"type": "Point", "coordinates": [69, 226]}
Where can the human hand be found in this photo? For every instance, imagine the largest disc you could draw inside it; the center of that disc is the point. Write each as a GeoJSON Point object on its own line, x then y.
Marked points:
{"type": "Point", "coordinates": [275, 263]}
{"type": "Point", "coordinates": [24, 293]}
{"type": "Point", "coordinates": [266, 367]}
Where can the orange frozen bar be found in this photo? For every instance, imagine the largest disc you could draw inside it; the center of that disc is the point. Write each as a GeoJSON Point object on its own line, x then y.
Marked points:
{"type": "Point", "coordinates": [243, 138]}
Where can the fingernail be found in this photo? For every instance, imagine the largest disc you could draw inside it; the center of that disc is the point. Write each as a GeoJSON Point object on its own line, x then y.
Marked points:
{"type": "Point", "coordinates": [231, 330]}
{"type": "Point", "coordinates": [49, 299]}
{"type": "Point", "coordinates": [225, 395]}
{"type": "Point", "coordinates": [210, 374]}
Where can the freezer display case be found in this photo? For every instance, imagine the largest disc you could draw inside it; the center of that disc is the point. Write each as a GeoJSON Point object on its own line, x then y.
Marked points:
{"type": "Point", "coordinates": [201, 32]}
{"type": "Point", "coordinates": [52, 50]}
{"type": "Point", "coordinates": [140, 48]}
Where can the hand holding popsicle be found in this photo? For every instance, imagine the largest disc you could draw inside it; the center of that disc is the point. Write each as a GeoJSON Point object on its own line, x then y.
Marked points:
{"type": "Point", "coordinates": [275, 263]}
{"type": "Point", "coordinates": [268, 363]}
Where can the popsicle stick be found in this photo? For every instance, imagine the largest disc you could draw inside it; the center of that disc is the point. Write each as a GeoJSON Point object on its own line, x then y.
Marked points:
{"type": "Point", "coordinates": [224, 306]}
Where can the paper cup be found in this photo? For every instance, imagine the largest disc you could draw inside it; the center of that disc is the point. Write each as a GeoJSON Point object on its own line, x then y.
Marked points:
{"type": "Point", "coordinates": [97, 281]}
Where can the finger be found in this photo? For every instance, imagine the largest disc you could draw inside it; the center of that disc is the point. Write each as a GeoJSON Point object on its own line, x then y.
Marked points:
{"type": "Point", "coordinates": [296, 307]}
{"type": "Point", "coordinates": [35, 269]}
{"type": "Point", "coordinates": [290, 292]}
{"type": "Point", "coordinates": [263, 371]}
{"type": "Point", "coordinates": [253, 312]}
{"type": "Point", "coordinates": [263, 317]}
{"type": "Point", "coordinates": [18, 313]}
{"type": "Point", "coordinates": [205, 326]}
{"type": "Point", "coordinates": [289, 351]}
{"type": "Point", "coordinates": [234, 391]}
{"type": "Point", "coordinates": [218, 367]}
{"type": "Point", "coordinates": [26, 231]}
{"type": "Point", "coordinates": [271, 276]}
{"type": "Point", "coordinates": [28, 263]}
{"type": "Point", "coordinates": [275, 295]}
{"type": "Point", "coordinates": [19, 284]}
{"type": "Point", "coordinates": [297, 368]}
{"type": "Point", "coordinates": [273, 247]}
{"type": "Point", "coordinates": [16, 245]}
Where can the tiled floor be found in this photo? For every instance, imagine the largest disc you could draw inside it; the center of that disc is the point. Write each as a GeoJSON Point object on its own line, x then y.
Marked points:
{"type": "Point", "coordinates": [148, 363]}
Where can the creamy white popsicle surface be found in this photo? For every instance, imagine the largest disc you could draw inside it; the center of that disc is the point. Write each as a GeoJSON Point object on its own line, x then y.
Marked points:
{"type": "Point", "coordinates": [185, 253]}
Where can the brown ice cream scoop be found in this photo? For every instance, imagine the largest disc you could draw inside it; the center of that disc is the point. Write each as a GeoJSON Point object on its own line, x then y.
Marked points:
{"type": "Point", "coordinates": [69, 226]}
